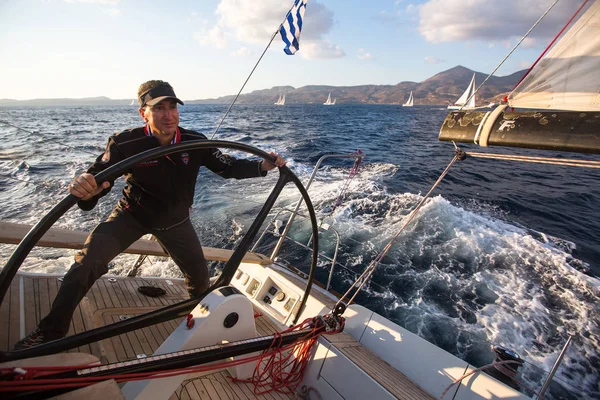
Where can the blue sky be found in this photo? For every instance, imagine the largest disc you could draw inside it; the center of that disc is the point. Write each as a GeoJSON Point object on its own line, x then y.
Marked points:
{"type": "Point", "coordinates": [207, 48]}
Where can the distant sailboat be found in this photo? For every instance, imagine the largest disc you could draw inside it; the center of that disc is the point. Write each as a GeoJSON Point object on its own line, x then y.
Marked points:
{"type": "Point", "coordinates": [132, 103]}
{"type": "Point", "coordinates": [329, 102]}
{"type": "Point", "coordinates": [281, 100]}
{"type": "Point", "coordinates": [410, 101]}
{"type": "Point", "coordinates": [467, 95]}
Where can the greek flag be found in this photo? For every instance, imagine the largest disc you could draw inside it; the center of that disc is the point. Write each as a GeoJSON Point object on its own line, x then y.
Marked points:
{"type": "Point", "coordinates": [291, 27]}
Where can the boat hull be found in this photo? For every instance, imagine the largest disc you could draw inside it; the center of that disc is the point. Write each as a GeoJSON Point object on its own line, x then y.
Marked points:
{"type": "Point", "coordinates": [558, 131]}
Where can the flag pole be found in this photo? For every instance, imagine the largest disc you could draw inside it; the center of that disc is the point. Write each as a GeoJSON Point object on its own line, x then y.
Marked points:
{"type": "Point", "coordinates": [251, 72]}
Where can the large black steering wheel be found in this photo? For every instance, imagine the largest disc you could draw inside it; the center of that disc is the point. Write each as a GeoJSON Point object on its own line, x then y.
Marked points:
{"type": "Point", "coordinates": [175, 310]}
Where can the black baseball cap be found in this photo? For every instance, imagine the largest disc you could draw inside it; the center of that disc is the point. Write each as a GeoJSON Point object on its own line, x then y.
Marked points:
{"type": "Point", "coordinates": [157, 94]}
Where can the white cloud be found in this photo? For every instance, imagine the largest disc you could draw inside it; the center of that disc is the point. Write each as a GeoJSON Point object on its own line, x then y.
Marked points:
{"type": "Point", "coordinates": [241, 52]}
{"type": "Point", "coordinates": [387, 16]}
{"type": "Point", "coordinates": [364, 55]}
{"type": "Point", "coordinates": [458, 20]}
{"type": "Point", "coordinates": [508, 44]}
{"type": "Point", "coordinates": [320, 49]}
{"type": "Point", "coordinates": [254, 23]}
{"type": "Point", "coordinates": [433, 60]}
{"type": "Point", "coordinates": [411, 8]}
{"type": "Point", "coordinates": [105, 2]}
{"type": "Point", "coordinates": [529, 43]}
{"type": "Point", "coordinates": [214, 37]}
{"type": "Point", "coordinates": [525, 64]}
{"type": "Point", "coordinates": [115, 12]}
{"type": "Point", "coordinates": [112, 11]}
{"type": "Point", "coordinates": [250, 22]}
{"type": "Point", "coordinates": [197, 19]}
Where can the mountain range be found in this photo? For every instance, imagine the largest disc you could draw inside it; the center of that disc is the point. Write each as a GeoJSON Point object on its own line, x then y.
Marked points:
{"type": "Point", "coordinates": [441, 89]}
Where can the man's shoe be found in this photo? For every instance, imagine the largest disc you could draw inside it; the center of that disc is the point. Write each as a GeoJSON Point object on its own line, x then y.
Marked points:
{"type": "Point", "coordinates": [35, 338]}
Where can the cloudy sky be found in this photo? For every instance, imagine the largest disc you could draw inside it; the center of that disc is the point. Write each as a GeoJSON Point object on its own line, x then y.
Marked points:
{"type": "Point", "coordinates": [207, 48]}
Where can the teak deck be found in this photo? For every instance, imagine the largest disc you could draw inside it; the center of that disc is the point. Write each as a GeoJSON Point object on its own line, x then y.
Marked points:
{"type": "Point", "coordinates": [115, 298]}
{"type": "Point", "coordinates": [107, 302]}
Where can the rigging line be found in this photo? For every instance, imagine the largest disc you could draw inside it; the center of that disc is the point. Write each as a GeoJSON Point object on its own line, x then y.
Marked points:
{"type": "Point", "coordinates": [306, 217]}
{"type": "Point", "coordinates": [368, 272]}
{"type": "Point", "coordinates": [539, 160]}
{"type": "Point", "coordinates": [509, 53]}
{"type": "Point", "coordinates": [337, 263]}
{"type": "Point", "coordinates": [55, 141]}
{"type": "Point", "coordinates": [352, 174]}
{"type": "Point", "coordinates": [384, 288]}
{"type": "Point", "coordinates": [251, 72]}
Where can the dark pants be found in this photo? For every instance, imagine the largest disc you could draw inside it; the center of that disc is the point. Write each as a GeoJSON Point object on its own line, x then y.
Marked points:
{"type": "Point", "coordinates": [109, 239]}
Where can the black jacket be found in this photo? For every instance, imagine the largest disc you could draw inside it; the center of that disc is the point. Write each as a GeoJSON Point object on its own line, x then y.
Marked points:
{"type": "Point", "coordinates": [160, 192]}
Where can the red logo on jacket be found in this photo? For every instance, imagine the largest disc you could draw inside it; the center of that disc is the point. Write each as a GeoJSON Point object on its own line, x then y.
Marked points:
{"type": "Point", "coordinates": [185, 158]}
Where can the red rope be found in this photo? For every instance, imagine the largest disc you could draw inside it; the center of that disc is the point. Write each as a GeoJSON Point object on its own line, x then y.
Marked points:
{"type": "Point", "coordinates": [548, 47]}
{"type": "Point", "coordinates": [282, 370]}
{"type": "Point", "coordinates": [26, 381]}
{"type": "Point", "coordinates": [43, 384]}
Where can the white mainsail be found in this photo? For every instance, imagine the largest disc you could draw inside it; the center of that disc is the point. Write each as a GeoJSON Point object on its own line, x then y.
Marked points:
{"type": "Point", "coordinates": [410, 101]}
{"type": "Point", "coordinates": [568, 76]}
{"type": "Point", "coordinates": [281, 100]}
{"type": "Point", "coordinates": [329, 102]}
{"type": "Point", "coordinates": [467, 95]}
{"type": "Point", "coordinates": [132, 103]}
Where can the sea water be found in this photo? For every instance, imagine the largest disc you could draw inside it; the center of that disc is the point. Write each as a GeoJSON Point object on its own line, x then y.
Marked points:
{"type": "Point", "coordinates": [502, 253]}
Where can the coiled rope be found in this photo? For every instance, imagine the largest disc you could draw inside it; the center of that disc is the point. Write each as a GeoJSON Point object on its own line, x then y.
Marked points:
{"type": "Point", "coordinates": [283, 373]}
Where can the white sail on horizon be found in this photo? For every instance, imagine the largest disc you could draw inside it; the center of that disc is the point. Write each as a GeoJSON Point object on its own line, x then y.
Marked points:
{"type": "Point", "coordinates": [281, 100]}
{"type": "Point", "coordinates": [329, 102]}
{"type": "Point", "coordinates": [468, 94]}
{"type": "Point", "coordinates": [410, 101]}
{"type": "Point", "coordinates": [567, 77]}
